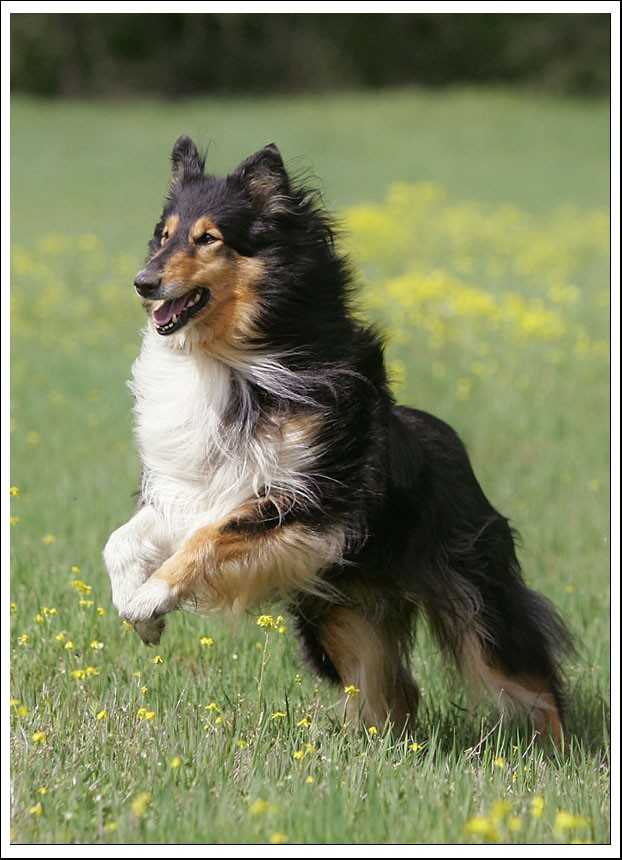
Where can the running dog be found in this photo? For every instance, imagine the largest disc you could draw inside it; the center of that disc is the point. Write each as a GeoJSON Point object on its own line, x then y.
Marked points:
{"type": "Point", "coordinates": [276, 464]}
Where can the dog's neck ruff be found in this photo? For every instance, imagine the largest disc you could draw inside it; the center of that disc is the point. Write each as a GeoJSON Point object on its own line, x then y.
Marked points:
{"type": "Point", "coordinates": [205, 445]}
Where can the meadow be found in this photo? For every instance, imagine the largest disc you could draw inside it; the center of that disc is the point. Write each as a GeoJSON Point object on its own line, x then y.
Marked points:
{"type": "Point", "coordinates": [478, 224]}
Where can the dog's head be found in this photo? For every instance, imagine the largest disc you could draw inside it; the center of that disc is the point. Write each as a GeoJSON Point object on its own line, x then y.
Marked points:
{"type": "Point", "coordinates": [205, 259]}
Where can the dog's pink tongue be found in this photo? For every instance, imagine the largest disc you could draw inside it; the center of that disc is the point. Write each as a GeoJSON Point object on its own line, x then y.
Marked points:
{"type": "Point", "coordinates": [165, 313]}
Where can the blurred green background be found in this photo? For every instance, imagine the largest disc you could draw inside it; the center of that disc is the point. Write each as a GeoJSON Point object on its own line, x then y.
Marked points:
{"type": "Point", "coordinates": [179, 54]}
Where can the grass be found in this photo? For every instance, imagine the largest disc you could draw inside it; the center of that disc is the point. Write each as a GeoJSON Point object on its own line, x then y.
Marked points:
{"type": "Point", "coordinates": [488, 264]}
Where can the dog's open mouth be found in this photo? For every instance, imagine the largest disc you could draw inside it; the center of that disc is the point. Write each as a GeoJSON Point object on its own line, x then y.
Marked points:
{"type": "Point", "coordinates": [172, 315]}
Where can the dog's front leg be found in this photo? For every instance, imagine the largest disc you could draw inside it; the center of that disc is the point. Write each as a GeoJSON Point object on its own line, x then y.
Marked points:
{"type": "Point", "coordinates": [131, 555]}
{"type": "Point", "coordinates": [233, 565]}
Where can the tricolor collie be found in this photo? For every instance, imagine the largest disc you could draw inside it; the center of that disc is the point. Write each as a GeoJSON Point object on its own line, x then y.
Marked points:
{"type": "Point", "coordinates": [276, 464]}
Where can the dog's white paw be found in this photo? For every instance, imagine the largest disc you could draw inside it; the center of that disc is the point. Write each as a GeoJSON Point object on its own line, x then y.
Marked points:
{"type": "Point", "coordinates": [149, 602]}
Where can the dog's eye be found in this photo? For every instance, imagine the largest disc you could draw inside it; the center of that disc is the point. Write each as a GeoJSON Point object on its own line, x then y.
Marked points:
{"type": "Point", "coordinates": [206, 239]}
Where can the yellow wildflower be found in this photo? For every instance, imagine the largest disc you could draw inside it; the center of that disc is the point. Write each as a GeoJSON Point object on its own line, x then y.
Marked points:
{"type": "Point", "coordinates": [111, 826]}
{"type": "Point", "coordinates": [175, 763]}
{"type": "Point", "coordinates": [299, 754]}
{"type": "Point", "coordinates": [309, 780]}
{"type": "Point", "coordinates": [96, 646]}
{"type": "Point", "coordinates": [481, 826]}
{"type": "Point", "coordinates": [351, 690]}
{"type": "Point", "coordinates": [278, 838]}
{"type": "Point", "coordinates": [373, 731]}
{"type": "Point", "coordinates": [48, 539]}
{"type": "Point", "coordinates": [158, 660]}
{"type": "Point", "coordinates": [42, 789]}
{"type": "Point", "coordinates": [144, 714]}
{"type": "Point", "coordinates": [101, 715]}
{"type": "Point", "coordinates": [140, 804]}
{"type": "Point", "coordinates": [14, 491]}
{"type": "Point", "coordinates": [22, 711]}
{"type": "Point", "coordinates": [13, 520]}
{"type": "Point", "coordinates": [79, 585]}
{"type": "Point", "coordinates": [101, 610]}
{"type": "Point", "coordinates": [567, 821]}
{"type": "Point", "coordinates": [37, 809]}
{"type": "Point", "coordinates": [537, 806]}
{"type": "Point", "coordinates": [304, 723]}
{"type": "Point", "coordinates": [24, 639]}
{"type": "Point", "coordinates": [206, 640]}
{"type": "Point", "coordinates": [39, 738]}
{"type": "Point", "coordinates": [212, 707]}
{"type": "Point", "coordinates": [277, 715]}
{"type": "Point", "coordinates": [266, 621]}
{"type": "Point", "coordinates": [68, 645]}
{"type": "Point", "coordinates": [499, 762]}
{"type": "Point", "coordinates": [500, 810]}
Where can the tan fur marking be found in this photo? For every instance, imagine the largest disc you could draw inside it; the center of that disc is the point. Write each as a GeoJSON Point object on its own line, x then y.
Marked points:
{"type": "Point", "coordinates": [366, 656]}
{"type": "Point", "coordinates": [171, 224]}
{"type": "Point", "coordinates": [234, 570]}
{"type": "Point", "coordinates": [204, 225]}
{"type": "Point", "coordinates": [522, 694]}
{"type": "Point", "coordinates": [229, 315]}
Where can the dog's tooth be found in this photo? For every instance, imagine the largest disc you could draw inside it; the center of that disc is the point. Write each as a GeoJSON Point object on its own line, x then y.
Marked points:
{"type": "Point", "coordinates": [174, 319]}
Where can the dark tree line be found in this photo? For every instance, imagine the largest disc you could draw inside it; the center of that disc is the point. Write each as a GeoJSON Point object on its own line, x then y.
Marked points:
{"type": "Point", "coordinates": [177, 54]}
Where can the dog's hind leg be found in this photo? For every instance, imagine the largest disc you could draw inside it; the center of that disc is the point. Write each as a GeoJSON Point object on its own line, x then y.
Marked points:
{"type": "Point", "coordinates": [504, 638]}
{"type": "Point", "coordinates": [370, 660]}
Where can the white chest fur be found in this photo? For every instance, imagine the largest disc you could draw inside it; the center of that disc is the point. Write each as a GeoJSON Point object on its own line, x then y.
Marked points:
{"type": "Point", "coordinates": [196, 471]}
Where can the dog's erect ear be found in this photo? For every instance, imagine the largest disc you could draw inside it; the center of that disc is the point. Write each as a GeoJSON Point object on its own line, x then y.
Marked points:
{"type": "Point", "coordinates": [264, 177]}
{"type": "Point", "coordinates": [186, 158]}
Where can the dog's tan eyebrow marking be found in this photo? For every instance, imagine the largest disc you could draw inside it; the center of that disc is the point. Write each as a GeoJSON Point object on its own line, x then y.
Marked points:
{"type": "Point", "coordinates": [204, 225]}
{"type": "Point", "coordinates": [170, 225]}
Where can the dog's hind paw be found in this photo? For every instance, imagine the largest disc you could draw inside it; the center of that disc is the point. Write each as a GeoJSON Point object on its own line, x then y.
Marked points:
{"type": "Point", "coordinates": [150, 631]}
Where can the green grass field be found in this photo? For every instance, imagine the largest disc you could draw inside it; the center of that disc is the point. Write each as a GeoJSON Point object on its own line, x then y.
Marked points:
{"type": "Point", "coordinates": [479, 224]}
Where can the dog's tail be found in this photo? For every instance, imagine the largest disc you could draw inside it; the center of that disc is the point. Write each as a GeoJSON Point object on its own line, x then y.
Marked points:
{"type": "Point", "coordinates": [506, 639]}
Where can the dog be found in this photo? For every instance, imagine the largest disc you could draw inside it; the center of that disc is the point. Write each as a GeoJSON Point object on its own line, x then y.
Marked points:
{"type": "Point", "coordinates": [277, 465]}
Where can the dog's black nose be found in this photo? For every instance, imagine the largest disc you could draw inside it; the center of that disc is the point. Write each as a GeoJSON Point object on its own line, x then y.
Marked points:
{"type": "Point", "coordinates": [146, 283]}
